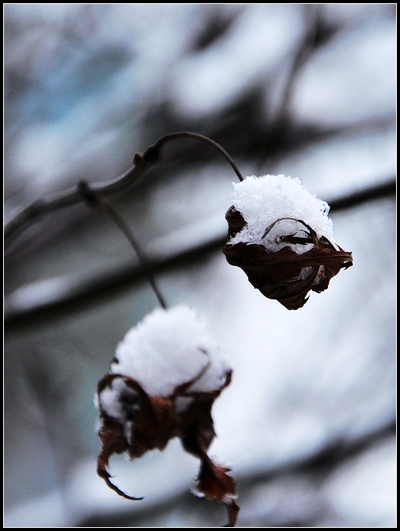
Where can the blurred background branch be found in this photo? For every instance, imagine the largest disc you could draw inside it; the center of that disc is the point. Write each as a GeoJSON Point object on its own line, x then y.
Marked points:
{"type": "Point", "coordinates": [55, 298]}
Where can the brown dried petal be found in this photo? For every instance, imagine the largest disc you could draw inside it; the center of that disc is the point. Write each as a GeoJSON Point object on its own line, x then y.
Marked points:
{"type": "Point", "coordinates": [285, 275]}
{"type": "Point", "coordinates": [146, 423]}
{"type": "Point", "coordinates": [215, 484]}
{"type": "Point", "coordinates": [213, 481]}
{"type": "Point", "coordinates": [235, 221]}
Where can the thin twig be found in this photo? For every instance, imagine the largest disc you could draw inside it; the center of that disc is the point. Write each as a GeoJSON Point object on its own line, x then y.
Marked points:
{"type": "Point", "coordinates": [155, 149]}
{"type": "Point", "coordinates": [93, 199]}
{"type": "Point", "coordinates": [30, 214]}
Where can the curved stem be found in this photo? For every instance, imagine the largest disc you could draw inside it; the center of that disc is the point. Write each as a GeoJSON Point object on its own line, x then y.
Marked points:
{"type": "Point", "coordinates": [154, 151]}
{"type": "Point", "coordinates": [93, 199]}
{"type": "Point", "coordinates": [30, 214]}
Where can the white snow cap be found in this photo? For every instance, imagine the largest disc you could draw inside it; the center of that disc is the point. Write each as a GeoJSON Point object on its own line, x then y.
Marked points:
{"type": "Point", "coordinates": [169, 348]}
{"type": "Point", "coordinates": [263, 200]}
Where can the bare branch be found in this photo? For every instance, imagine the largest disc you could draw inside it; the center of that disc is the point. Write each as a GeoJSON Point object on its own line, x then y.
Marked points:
{"type": "Point", "coordinates": [72, 196]}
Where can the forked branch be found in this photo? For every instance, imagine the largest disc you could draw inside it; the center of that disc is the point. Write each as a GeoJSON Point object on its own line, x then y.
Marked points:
{"type": "Point", "coordinates": [72, 196]}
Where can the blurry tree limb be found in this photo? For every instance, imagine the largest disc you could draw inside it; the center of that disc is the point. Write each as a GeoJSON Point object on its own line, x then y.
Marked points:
{"type": "Point", "coordinates": [73, 195]}
{"type": "Point", "coordinates": [318, 467]}
{"type": "Point", "coordinates": [372, 193]}
{"type": "Point", "coordinates": [65, 295]}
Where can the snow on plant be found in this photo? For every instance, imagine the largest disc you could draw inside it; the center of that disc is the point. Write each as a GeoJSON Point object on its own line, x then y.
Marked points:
{"type": "Point", "coordinates": [161, 384]}
{"type": "Point", "coordinates": [282, 237]}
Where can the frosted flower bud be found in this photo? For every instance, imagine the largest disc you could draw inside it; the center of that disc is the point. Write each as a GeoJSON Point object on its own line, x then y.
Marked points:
{"type": "Point", "coordinates": [161, 384]}
{"type": "Point", "coordinates": [282, 238]}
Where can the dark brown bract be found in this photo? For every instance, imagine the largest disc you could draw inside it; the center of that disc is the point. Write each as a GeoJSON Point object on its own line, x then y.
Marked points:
{"type": "Point", "coordinates": [141, 423]}
{"type": "Point", "coordinates": [289, 263]}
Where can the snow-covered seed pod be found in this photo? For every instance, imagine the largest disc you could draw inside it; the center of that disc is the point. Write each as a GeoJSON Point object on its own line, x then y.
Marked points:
{"type": "Point", "coordinates": [282, 238]}
{"type": "Point", "coordinates": [161, 384]}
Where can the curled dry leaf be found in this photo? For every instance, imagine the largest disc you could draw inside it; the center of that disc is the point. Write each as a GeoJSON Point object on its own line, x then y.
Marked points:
{"type": "Point", "coordinates": [135, 421]}
{"type": "Point", "coordinates": [289, 261]}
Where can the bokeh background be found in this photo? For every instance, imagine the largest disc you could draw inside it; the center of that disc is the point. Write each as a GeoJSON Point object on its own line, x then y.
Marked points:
{"type": "Point", "coordinates": [309, 90]}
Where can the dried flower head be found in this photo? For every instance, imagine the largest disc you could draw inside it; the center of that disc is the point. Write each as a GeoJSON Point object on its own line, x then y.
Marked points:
{"type": "Point", "coordinates": [282, 237]}
{"type": "Point", "coordinates": [161, 384]}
